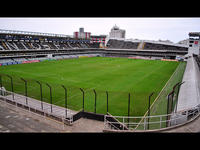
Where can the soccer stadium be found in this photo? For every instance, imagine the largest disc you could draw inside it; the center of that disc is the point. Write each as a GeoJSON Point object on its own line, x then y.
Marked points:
{"type": "Point", "coordinates": [127, 85]}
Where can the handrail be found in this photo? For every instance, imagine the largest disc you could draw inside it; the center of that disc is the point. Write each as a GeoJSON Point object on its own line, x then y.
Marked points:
{"type": "Point", "coordinates": [187, 115]}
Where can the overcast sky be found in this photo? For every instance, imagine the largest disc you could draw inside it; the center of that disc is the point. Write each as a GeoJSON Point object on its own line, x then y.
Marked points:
{"type": "Point", "coordinates": [173, 29]}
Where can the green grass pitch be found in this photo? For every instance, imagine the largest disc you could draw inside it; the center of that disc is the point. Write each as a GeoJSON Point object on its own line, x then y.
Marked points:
{"type": "Point", "coordinates": [118, 76]}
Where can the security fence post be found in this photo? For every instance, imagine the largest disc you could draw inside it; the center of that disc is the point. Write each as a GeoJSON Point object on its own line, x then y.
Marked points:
{"type": "Point", "coordinates": [95, 98]}
{"type": "Point", "coordinates": [128, 107]}
{"type": "Point", "coordinates": [167, 110]}
{"type": "Point", "coordinates": [107, 100]}
{"type": "Point", "coordinates": [83, 96]}
{"type": "Point", "coordinates": [25, 89]}
{"type": "Point", "coordinates": [40, 94]}
{"type": "Point", "coordinates": [1, 84]}
{"type": "Point", "coordinates": [174, 88]}
{"type": "Point", "coordinates": [168, 101]}
{"type": "Point", "coordinates": [177, 94]}
{"type": "Point", "coordinates": [11, 85]}
{"type": "Point", "coordinates": [65, 99]}
{"type": "Point", "coordinates": [149, 109]}
{"type": "Point", "coordinates": [50, 96]}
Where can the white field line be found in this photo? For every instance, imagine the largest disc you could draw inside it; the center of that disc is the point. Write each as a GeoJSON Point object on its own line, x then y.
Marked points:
{"type": "Point", "coordinates": [157, 97]}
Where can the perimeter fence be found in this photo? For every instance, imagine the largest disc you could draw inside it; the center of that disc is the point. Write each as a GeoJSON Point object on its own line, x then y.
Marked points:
{"type": "Point", "coordinates": [69, 97]}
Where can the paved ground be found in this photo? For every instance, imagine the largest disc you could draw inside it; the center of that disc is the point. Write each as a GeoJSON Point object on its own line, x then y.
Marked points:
{"type": "Point", "coordinates": [13, 119]}
{"type": "Point", "coordinates": [189, 95]}
{"type": "Point", "coordinates": [192, 127]}
{"type": "Point", "coordinates": [36, 104]}
{"type": "Point", "coordinates": [189, 91]}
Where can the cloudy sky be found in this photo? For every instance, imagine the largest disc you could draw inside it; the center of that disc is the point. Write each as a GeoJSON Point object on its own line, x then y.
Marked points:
{"type": "Point", "coordinates": [173, 29]}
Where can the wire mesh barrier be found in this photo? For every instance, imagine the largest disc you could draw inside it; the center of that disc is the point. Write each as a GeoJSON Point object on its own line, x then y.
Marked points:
{"type": "Point", "coordinates": [197, 59]}
{"type": "Point", "coordinates": [160, 105]}
{"type": "Point", "coordinates": [162, 113]}
{"type": "Point", "coordinates": [161, 99]}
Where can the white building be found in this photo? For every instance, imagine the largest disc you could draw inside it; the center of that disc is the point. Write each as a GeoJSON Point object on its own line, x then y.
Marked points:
{"type": "Point", "coordinates": [117, 33]}
{"type": "Point", "coordinates": [194, 43]}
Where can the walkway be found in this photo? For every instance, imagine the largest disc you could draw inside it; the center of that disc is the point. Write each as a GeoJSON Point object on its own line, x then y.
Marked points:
{"type": "Point", "coordinates": [38, 105]}
{"type": "Point", "coordinates": [189, 91]}
{"type": "Point", "coordinates": [189, 96]}
{"type": "Point", "coordinates": [17, 120]}
{"type": "Point", "coordinates": [193, 127]}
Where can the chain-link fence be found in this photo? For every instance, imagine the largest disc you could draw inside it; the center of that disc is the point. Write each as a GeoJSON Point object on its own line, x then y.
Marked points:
{"type": "Point", "coordinates": [160, 105]}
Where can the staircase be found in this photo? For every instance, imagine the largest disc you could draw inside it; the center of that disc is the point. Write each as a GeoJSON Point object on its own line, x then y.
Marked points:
{"type": "Point", "coordinates": [4, 45]}
{"type": "Point", "coordinates": [141, 45]}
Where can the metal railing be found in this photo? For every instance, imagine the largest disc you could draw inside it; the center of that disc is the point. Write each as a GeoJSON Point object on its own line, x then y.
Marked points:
{"type": "Point", "coordinates": [59, 113]}
{"type": "Point", "coordinates": [155, 122]}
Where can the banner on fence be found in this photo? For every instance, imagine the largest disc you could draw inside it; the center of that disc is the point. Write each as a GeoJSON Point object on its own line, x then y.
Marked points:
{"type": "Point", "coordinates": [9, 63]}
{"type": "Point", "coordinates": [4, 64]}
{"type": "Point", "coordinates": [82, 56]}
{"type": "Point", "coordinates": [30, 61]}
{"type": "Point", "coordinates": [169, 60]}
{"type": "Point", "coordinates": [139, 57]}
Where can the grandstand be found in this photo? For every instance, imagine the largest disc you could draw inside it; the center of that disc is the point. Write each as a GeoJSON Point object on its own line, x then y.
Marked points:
{"type": "Point", "coordinates": [18, 45]}
{"type": "Point", "coordinates": [21, 45]}
{"type": "Point", "coordinates": [148, 48]}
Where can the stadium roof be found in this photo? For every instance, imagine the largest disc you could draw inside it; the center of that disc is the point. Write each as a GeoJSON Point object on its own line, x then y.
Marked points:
{"type": "Point", "coordinates": [32, 33]}
{"type": "Point", "coordinates": [156, 42]}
